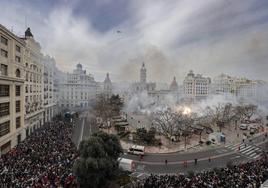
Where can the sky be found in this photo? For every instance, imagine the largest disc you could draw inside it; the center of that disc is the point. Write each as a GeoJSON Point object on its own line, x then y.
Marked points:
{"type": "Point", "coordinates": [172, 37]}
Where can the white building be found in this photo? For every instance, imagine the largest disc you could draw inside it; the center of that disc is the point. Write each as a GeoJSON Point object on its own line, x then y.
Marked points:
{"type": "Point", "coordinates": [223, 84]}
{"type": "Point", "coordinates": [12, 76]}
{"type": "Point", "coordinates": [34, 83]}
{"type": "Point", "coordinates": [78, 89]}
{"type": "Point", "coordinates": [196, 87]}
{"type": "Point", "coordinates": [49, 88]}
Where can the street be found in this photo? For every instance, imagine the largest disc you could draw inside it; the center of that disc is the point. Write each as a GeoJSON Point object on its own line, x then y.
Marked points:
{"type": "Point", "coordinates": [83, 128]}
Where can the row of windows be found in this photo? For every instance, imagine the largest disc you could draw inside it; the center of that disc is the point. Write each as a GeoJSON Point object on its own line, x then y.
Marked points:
{"type": "Point", "coordinates": [4, 40]}
{"type": "Point", "coordinates": [4, 71]}
{"type": "Point", "coordinates": [4, 108]}
{"type": "Point", "coordinates": [4, 90]}
{"type": "Point", "coordinates": [4, 53]}
{"type": "Point", "coordinates": [4, 128]}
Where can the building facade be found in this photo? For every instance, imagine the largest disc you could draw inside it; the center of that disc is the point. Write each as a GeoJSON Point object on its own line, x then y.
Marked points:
{"type": "Point", "coordinates": [143, 85]}
{"type": "Point", "coordinates": [34, 87]}
{"type": "Point", "coordinates": [107, 86]}
{"type": "Point", "coordinates": [78, 89]}
{"type": "Point", "coordinates": [11, 90]}
{"type": "Point", "coordinates": [196, 87]}
{"type": "Point", "coordinates": [49, 88]}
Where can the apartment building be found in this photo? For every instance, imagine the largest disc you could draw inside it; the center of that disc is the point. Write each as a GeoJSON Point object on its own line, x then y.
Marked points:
{"type": "Point", "coordinates": [34, 87]}
{"type": "Point", "coordinates": [78, 89]}
{"type": "Point", "coordinates": [12, 127]}
{"type": "Point", "coordinates": [196, 87]}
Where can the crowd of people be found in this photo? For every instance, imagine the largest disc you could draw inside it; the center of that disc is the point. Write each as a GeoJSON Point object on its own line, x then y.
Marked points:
{"type": "Point", "coordinates": [44, 159]}
{"type": "Point", "coordinates": [246, 175]}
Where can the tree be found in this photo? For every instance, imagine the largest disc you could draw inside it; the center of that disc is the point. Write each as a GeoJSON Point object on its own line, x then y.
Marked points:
{"type": "Point", "coordinates": [221, 114]}
{"type": "Point", "coordinates": [146, 136]}
{"type": "Point", "coordinates": [184, 123]}
{"type": "Point", "coordinates": [164, 121]}
{"type": "Point", "coordinates": [116, 104]}
{"type": "Point", "coordinates": [246, 111]}
{"type": "Point", "coordinates": [97, 163]}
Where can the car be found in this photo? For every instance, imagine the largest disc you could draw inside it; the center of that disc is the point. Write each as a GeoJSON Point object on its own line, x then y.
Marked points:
{"type": "Point", "coordinates": [243, 126]}
{"type": "Point", "coordinates": [252, 131]}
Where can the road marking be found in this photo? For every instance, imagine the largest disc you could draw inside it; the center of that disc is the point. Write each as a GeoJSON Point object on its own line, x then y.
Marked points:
{"type": "Point", "coordinates": [236, 157]}
{"type": "Point", "coordinates": [82, 131]}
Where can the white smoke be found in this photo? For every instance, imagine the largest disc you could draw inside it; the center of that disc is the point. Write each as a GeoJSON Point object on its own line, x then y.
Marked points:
{"type": "Point", "coordinates": [142, 103]}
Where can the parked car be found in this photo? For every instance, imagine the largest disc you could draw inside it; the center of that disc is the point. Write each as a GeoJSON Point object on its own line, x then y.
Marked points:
{"type": "Point", "coordinates": [243, 126]}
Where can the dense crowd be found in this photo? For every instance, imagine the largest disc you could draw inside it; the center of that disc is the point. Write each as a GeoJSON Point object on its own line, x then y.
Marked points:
{"type": "Point", "coordinates": [44, 159]}
{"type": "Point", "coordinates": [246, 175]}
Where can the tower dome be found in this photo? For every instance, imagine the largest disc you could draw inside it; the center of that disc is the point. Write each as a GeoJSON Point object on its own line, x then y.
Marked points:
{"type": "Point", "coordinates": [174, 85]}
{"type": "Point", "coordinates": [79, 66]}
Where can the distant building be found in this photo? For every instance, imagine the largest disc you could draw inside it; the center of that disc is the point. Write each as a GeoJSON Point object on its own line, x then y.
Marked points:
{"type": "Point", "coordinates": [196, 87]}
{"type": "Point", "coordinates": [107, 87]}
{"type": "Point", "coordinates": [142, 85]}
{"type": "Point", "coordinates": [171, 94]}
{"type": "Point", "coordinates": [49, 88]}
{"type": "Point", "coordinates": [78, 89]}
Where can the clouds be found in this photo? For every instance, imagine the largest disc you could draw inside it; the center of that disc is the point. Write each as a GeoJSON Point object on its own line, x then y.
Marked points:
{"type": "Point", "coordinates": [171, 37]}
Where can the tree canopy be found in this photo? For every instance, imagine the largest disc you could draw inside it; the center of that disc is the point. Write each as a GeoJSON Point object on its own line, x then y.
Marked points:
{"type": "Point", "coordinates": [97, 163]}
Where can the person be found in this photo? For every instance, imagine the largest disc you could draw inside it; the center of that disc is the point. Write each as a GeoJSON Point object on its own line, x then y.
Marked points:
{"type": "Point", "coordinates": [166, 161]}
{"type": "Point", "coordinates": [195, 161]}
{"type": "Point", "coordinates": [209, 159]}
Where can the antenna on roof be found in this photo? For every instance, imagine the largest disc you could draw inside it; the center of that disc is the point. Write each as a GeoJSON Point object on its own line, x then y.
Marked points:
{"type": "Point", "coordinates": [25, 22]}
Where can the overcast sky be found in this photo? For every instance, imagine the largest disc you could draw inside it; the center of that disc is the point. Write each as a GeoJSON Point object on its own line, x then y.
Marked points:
{"type": "Point", "coordinates": [171, 36]}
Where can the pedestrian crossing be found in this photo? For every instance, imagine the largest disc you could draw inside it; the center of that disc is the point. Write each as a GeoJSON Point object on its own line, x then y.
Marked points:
{"type": "Point", "coordinates": [247, 150]}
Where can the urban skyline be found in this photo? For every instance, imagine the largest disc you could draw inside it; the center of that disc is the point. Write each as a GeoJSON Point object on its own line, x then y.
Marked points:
{"type": "Point", "coordinates": [190, 40]}
{"type": "Point", "coordinates": [133, 94]}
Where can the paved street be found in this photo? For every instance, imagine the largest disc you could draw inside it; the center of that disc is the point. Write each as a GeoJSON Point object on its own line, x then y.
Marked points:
{"type": "Point", "coordinates": [83, 128]}
{"type": "Point", "coordinates": [155, 163]}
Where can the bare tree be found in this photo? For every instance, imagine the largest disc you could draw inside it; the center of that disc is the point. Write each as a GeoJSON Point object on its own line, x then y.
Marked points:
{"type": "Point", "coordinates": [165, 122]}
{"type": "Point", "coordinates": [184, 125]}
{"type": "Point", "coordinates": [245, 112]}
{"type": "Point", "coordinates": [221, 114]}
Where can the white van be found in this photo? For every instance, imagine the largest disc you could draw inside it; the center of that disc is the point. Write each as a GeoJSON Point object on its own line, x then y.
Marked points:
{"type": "Point", "coordinates": [136, 150]}
{"type": "Point", "coordinates": [126, 164]}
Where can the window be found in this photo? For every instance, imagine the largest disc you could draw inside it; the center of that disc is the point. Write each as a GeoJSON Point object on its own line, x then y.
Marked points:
{"type": "Point", "coordinates": [18, 73]}
{"type": "Point", "coordinates": [4, 53]}
{"type": "Point", "coordinates": [17, 90]}
{"type": "Point", "coordinates": [17, 106]}
{"type": "Point", "coordinates": [4, 90]}
{"type": "Point", "coordinates": [3, 69]}
{"type": "Point", "coordinates": [17, 48]}
{"type": "Point", "coordinates": [17, 122]}
{"type": "Point", "coordinates": [4, 40]}
{"type": "Point", "coordinates": [4, 109]}
{"type": "Point", "coordinates": [17, 59]}
{"type": "Point", "coordinates": [4, 128]}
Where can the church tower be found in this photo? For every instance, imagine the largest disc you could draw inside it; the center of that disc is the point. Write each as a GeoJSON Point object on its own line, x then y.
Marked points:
{"type": "Point", "coordinates": [107, 86]}
{"type": "Point", "coordinates": [143, 74]}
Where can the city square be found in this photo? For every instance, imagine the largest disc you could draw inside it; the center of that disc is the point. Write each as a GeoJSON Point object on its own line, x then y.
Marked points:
{"type": "Point", "coordinates": [133, 94]}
